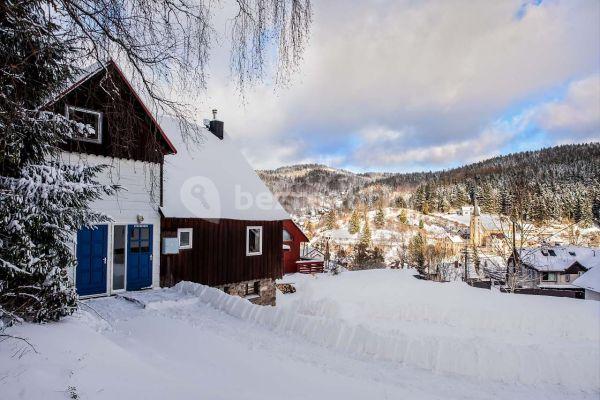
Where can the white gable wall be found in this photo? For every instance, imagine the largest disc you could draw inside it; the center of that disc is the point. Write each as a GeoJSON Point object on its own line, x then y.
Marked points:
{"type": "Point", "coordinates": [135, 198]}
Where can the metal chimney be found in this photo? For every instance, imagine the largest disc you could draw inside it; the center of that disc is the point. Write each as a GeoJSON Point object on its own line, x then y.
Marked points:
{"type": "Point", "coordinates": [216, 126]}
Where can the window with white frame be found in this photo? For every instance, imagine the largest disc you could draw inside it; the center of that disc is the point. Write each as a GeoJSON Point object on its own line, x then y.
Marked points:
{"type": "Point", "coordinates": [254, 240]}
{"type": "Point", "coordinates": [91, 130]}
{"type": "Point", "coordinates": [184, 235]}
{"type": "Point", "coordinates": [549, 276]}
{"type": "Point", "coordinates": [287, 237]}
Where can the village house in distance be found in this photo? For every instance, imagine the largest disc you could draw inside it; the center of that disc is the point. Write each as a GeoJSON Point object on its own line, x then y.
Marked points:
{"type": "Point", "coordinates": [558, 267]}
{"type": "Point", "coordinates": [221, 225]}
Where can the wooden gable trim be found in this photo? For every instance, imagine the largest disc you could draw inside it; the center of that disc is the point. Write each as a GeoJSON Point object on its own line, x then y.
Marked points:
{"type": "Point", "coordinates": [145, 108]}
{"type": "Point", "coordinates": [575, 268]}
{"type": "Point", "coordinates": [104, 69]}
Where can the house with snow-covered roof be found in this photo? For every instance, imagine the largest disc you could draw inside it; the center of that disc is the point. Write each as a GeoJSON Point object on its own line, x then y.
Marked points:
{"type": "Point", "coordinates": [556, 267]}
{"type": "Point", "coordinates": [123, 253]}
{"type": "Point", "coordinates": [221, 226]}
{"type": "Point", "coordinates": [590, 283]}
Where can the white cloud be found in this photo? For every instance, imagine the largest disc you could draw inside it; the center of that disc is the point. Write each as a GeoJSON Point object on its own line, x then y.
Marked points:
{"type": "Point", "coordinates": [388, 151]}
{"type": "Point", "coordinates": [433, 73]}
{"type": "Point", "coordinates": [577, 116]}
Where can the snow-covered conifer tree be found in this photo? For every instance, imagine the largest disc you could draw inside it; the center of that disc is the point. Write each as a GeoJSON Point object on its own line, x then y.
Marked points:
{"type": "Point", "coordinates": [354, 224]}
{"type": "Point", "coordinates": [42, 201]}
{"type": "Point", "coordinates": [379, 218]}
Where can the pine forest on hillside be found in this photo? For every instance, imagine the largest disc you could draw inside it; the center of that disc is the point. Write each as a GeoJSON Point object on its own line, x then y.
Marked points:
{"type": "Point", "coordinates": [561, 182]}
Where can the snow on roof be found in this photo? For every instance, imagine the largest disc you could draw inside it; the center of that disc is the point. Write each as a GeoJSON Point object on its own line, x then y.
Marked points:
{"type": "Point", "coordinates": [589, 280]}
{"type": "Point", "coordinates": [210, 179]}
{"type": "Point", "coordinates": [340, 234]}
{"type": "Point", "coordinates": [559, 258]}
{"type": "Point", "coordinates": [488, 221]}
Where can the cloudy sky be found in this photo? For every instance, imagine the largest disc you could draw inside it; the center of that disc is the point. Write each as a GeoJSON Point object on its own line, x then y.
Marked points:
{"type": "Point", "coordinates": [418, 85]}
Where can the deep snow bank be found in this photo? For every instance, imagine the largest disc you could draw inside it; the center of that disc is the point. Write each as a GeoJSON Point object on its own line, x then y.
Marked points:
{"type": "Point", "coordinates": [504, 349]}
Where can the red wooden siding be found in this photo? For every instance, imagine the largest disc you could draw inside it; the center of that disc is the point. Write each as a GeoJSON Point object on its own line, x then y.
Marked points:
{"type": "Point", "coordinates": [291, 256]}
{"type": "Point", "coordinates": [218, 253]}
{"type": "Point", "coordinates": [128, 130]}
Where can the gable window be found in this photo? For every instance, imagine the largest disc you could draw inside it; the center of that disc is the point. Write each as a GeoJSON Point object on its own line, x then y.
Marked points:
{"type": "Point", "coordinates": [286, 236]}
{"type": "Point", "coordinates": [184, 235]}
{"type": "Point", "coordinates": [86, 117]}
{"type": "Point", "coordinates": [254, 240]}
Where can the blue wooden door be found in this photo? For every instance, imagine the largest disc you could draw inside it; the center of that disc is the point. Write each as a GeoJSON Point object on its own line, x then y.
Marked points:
{"type": "Point", "coordinates": [139, 257]}
{"type": "Point", "coordinates": [90, 274]}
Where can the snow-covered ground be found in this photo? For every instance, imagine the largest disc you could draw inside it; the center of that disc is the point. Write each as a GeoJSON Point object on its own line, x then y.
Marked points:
{"type": "Point", "coordinates": [379, 334]}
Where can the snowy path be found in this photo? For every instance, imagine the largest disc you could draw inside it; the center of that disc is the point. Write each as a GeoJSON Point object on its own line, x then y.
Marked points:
{"type": "Point", "coordinates": [180, 347]}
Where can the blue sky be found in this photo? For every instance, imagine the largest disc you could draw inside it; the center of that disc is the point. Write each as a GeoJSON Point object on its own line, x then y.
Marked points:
{"type": "Point", "coordinates": [395, 85]}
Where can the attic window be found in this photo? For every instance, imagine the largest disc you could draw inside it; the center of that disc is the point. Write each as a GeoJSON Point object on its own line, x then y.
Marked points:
{"type": "Point", "coordinates": [254, 240]}
{"type": "Point", "coordinates": [572, 253]}
{"type": "Point", "coordinates": [91, 124]}
{"type": "Point", "coordinates": [286, 236]}
{"type": "Point", "coordinates": [552, 253]}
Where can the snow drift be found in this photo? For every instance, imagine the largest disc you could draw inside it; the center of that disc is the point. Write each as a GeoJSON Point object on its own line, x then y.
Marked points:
{"type": "Point", "coordinates": [498, 337]}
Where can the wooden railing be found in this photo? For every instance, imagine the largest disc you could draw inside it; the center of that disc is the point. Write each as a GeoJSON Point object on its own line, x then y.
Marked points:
{"type": "Point", "coordinates": [310, 266]}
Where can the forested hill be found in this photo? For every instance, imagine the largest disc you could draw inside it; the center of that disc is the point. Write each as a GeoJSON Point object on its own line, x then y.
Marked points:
{"type": "Point", "coordinates": [561, 181]}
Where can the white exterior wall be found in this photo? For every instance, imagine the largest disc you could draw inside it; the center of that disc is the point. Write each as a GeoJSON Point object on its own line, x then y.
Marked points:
{"type": "Point", "coordinates": [135, 198]}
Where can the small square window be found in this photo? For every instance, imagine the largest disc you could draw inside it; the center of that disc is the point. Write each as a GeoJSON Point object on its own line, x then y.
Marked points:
{"type": "Point", "coordinates": [252, 288]}
{"type": "Point", "coordinates": [287, 237]}
{"type": "Point", "coordinates": [88, 118]}
{"type": "Point", "coordinates": [185, 237]}
{"type": "Point", "coordinates": [254, 240]}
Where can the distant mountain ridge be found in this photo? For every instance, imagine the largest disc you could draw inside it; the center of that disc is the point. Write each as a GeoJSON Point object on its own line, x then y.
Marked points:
{"type": "Point", "coordinates": [565, 172]}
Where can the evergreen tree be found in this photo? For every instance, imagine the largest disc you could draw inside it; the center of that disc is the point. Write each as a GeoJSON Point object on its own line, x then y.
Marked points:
{"type": "Point", "coordinates": [425, 208]}
{"type": "Point", "coordinates": [354, 224]}
{"type": "Point", "coordinates": [379, 218]}
{"type": "Point", "coordinates": [418, 199]}
{"type": "Point", "coordinates": [331, 220]}
{"type": "Point", "coordinates": [596, 205]}
{"type": "Point", "coordinates": [416, 251]}
{"type": "Point", "coordinates": [42, 201]}
{"type": "Point", "coordinates": [400, 202]}
{"type": "Point", "coordinates": [403, 217]}
{"type": "Point", "coordinates": [421, 224]}
{"type": "Point", "coordinates": [365, 236]}
{"type": "Point", "coordinates": [361, 250]}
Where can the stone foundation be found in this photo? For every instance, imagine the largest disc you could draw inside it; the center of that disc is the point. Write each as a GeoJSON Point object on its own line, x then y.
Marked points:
{"type": "Point", "coordinates": [259, 291]}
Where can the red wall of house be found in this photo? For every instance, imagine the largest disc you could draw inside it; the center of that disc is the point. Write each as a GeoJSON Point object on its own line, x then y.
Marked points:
{"type": "Point", "coordinates": [218, 253]}
{"type": "Point", "coordinates": [291, 256]}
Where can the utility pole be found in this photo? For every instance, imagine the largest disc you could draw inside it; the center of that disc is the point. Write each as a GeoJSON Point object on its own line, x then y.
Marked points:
{"type": "Point", "coordinates": [514, 252]}
{"type": "Point", "coordinates": [466, 273]}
